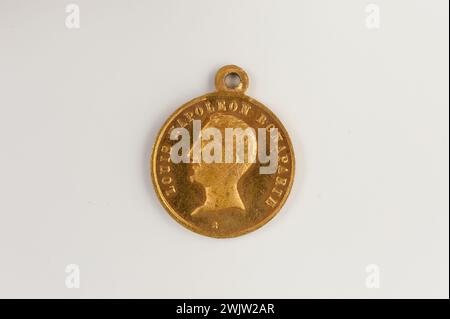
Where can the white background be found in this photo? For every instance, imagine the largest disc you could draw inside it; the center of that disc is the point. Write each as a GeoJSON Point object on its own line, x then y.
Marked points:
{"type": "Point", "coordinates": [367, 110]}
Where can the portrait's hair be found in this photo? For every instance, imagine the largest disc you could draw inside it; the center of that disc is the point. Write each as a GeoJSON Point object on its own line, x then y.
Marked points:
{"type": "Point", "coordinates": [221, 122]}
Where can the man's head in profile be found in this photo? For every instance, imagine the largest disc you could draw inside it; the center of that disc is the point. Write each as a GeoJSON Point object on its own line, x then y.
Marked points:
{"type": "Point", "coordinates": [220, 180]}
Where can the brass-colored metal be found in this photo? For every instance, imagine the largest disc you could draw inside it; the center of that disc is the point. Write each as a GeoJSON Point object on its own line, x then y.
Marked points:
{"type": "Point", "coordinates": [222, 199]}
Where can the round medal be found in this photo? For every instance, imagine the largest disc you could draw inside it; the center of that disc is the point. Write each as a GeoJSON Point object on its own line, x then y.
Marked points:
{"type": "Point", "coordinates": [223, 164]}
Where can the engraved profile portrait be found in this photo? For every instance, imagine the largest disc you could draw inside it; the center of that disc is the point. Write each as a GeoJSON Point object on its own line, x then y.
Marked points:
{"type": "Point", "coordinates": [220, 180]}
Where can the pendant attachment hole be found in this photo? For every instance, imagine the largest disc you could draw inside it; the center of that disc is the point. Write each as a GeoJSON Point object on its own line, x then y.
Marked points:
{"type": "Point", "coordinates": [231, 78]}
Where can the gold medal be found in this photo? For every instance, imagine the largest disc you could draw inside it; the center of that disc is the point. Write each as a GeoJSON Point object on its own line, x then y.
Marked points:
{"type": "Point", "coordinates": [223, 164]}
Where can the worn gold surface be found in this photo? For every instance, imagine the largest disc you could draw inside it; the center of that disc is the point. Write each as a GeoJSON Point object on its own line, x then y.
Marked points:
{"type": "Point", "coordinates": [222, 199]}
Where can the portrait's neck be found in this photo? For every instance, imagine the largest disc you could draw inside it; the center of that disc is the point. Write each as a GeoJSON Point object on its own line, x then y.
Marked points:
{"type": "Point", "coordinates": [223, 195]}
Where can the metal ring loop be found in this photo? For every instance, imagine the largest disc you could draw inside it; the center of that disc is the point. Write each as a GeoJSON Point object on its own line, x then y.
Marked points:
{"type": "Point", "coordinates": [226, 71]}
